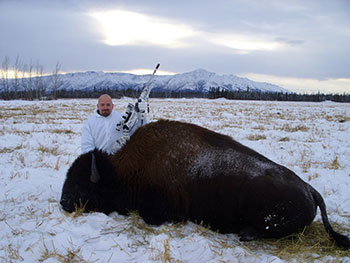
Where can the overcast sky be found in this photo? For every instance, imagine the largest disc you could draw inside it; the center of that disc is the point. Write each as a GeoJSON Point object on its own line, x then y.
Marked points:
{"type": "Point", "coordinates": [303, 46]}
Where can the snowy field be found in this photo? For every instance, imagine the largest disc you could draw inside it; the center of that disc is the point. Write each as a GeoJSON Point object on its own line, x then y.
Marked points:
{"type": "Point", "coordinates": [40, 140]}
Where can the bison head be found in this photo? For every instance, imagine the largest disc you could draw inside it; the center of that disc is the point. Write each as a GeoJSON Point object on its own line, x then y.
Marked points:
{"type": "Point", "coordinates": [89, 184]}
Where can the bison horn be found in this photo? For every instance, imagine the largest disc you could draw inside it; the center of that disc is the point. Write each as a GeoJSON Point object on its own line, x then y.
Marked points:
{"type": "Point", "coordinates": [95, 176]}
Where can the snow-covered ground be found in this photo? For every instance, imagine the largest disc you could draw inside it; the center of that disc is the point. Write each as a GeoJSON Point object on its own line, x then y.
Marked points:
{"type": "Point", "coordinates": [39, 141]}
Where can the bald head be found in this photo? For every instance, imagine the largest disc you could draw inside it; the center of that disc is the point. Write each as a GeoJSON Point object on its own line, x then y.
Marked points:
{"type": "Point", "coordinates": [105, 105]}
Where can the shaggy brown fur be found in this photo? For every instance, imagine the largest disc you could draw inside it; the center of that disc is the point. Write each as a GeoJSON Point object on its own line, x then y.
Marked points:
{"type": "Point", "coordinates": [173, 171]}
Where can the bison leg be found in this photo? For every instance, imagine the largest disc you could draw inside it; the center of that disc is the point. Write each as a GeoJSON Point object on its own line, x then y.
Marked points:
{"type": "Point", "coordinates": [248, 234]}
{"type": "Point", "coordinates": [274, 209]}
{"type": "Point", "coordinates": [157, 208]}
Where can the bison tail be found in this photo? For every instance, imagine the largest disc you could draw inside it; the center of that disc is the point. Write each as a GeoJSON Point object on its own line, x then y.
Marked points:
{"type": "Point", "coordinates": [340, 240]}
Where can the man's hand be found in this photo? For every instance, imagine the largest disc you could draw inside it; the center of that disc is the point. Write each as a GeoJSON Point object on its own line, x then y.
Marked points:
{"type": "Point", "coordinates": [141, 107]}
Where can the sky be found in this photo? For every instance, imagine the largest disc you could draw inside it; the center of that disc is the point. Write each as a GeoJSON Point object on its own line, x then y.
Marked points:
{"type": "Point", "coordinates": [303, 46]}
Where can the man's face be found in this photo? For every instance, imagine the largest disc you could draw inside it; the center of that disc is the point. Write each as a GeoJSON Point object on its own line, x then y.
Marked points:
{"type": "Point", "coordinates": [105, 106]}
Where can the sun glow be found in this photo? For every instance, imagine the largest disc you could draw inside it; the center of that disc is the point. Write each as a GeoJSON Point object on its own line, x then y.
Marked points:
{"type": "Point", "coordinates": [142, 71]}
{"type": "Point", "coordinates": [121, 27]}
{"type": "Point", "coordinates": [244, 44]}
{"type": "Point", "coordinates": [129, 28]}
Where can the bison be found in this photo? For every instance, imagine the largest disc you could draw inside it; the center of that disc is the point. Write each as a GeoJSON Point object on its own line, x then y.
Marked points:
{"type": "Point", "coordinates": [171, 171]}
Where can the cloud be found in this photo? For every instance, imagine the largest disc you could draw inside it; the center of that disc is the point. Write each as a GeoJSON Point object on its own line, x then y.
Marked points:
{"type": "Point", "coordinates": [332, 85]}
{"type": "Point", "coordinates": [244, 44]}
{"type": "Point", "coordinates": [295, 39]}
{"type": "Point", "coordinates": [122, 27]}
{"type": "Point", "coordinates": [291, 42]}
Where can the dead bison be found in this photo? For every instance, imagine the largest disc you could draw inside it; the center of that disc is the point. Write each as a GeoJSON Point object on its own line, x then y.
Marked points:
{"type": "Point", "coordinates": [173, 171]}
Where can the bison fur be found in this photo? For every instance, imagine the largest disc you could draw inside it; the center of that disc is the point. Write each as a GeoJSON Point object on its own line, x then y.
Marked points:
{"type": "Point", "coordinates": [171, 171]}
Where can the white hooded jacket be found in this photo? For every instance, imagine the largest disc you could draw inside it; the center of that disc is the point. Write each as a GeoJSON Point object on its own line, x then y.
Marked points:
{"type": "Point", "coordinates": [100, 132]}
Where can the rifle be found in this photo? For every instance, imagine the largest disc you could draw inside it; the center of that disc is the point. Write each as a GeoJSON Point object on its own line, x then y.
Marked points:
{"type": "Point", "coordinates": [130, 117]}
{"type": "Point", "coordinates": [147, 89]}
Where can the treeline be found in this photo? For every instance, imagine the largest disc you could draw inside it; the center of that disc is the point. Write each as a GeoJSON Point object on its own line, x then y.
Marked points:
{"type": "Point", "coordinates": [214, 93]}
{"type": "Point", "coordinates": [118, 93]}
{"type": "Point", "coordinates": [248, 94]}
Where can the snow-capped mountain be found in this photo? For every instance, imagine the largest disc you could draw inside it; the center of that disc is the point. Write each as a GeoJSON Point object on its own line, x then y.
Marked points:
{"type": "Point", "coordinates": [202, 80]}
{"type": "Point", "coordinates": [198, 80]}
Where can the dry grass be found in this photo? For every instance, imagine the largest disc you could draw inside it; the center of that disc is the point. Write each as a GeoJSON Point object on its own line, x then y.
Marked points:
{"type": "Point", "coordinates": [57, 166]}
{"type": "Point", "coordinates": [62, 131]}
{"type": "Point", "coordinates": [260, 127]}
{"type": "Point", "coordinates": [12, 254]}
{"type": "Point", "coordinates": [79, 209]}
{"type": "Point", "coordinates": [19, 174]}
{"type": "Point", "coordinates": [256, 137]}
{"type": "Point", "coordinates": [335, 165]}
{"type": "Point", "coordinates": [314, 176]}
{"type": "Point", "coordinates": [164, 255]}
{"type": "Point", "coordinates": [11, 150]}
{"type": "Point", "coordinates": [284, 139]}
{"type": "Point", "coordinates": [289, 128]}
{"type": "Point", "coordinates": [49, 150]}
{"type": "Point", "coordinates": [311, 245]}
{"type": "Point", "coordinates": [71, 254]}
{"type": "Point", "coordinates": [137, 224]}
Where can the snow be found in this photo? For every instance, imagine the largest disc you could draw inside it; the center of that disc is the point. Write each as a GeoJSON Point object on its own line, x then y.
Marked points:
{"type": "Point", "coordinates": [197, 80]}
{"type": "Point", "coordinates": [202, 79]}
{"type": "Point", "coordinates": [39, 140]}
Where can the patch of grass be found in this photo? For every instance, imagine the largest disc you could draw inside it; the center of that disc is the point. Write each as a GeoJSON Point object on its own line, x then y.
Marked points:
{"type": "Point", "coordinates": [311, 245]}
{"type": "Point", "coordinates": [338, 118]}
{"type": "Point", "coordinates": [62, 131]}
{"type": "Point", "coordinates": [19, 174]}
{"type": "Point", "coordinates": [21, 159]}
{"type": "Point", "coordinates": [71, 255]}
{"type": "Point", "coordinates": [256, 137]}
{"type": "Point", "coordinates": [297, 128]}
{"type": "Point", "coordinates": [260, 127]}
{"type": "Point", "coordinates": [314, 176]}
{"type": "Point", "coordinates": [305, 161]}
{"type": "Point", "coordinates": [79, 209]}
{"type": "Point", "coordinates": [284, 139]}
{"type": "Point", "coordinates": [50, 150]}
{"type": "Point", "coordinates": [14, 231]}
{"type": "Point", "coordinates": [136, 222]}
{"type": "Point", "coordinates": [57, 166]}
{"type": "Point", "coordinates": [335, 165]}
{"type": "Point", "coordinates": [12, 254]}
{"type": "Point", "coordinates": [165, 255]}
{"type": "Point", "coordinates": [10, 150]}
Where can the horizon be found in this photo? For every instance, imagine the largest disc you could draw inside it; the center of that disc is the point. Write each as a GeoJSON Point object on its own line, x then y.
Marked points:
{"type": "Point", "coordinates": [146, 72]}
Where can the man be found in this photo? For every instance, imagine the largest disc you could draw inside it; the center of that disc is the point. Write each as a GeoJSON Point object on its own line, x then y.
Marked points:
{"type": "Point", "coordinates": [100, 129]}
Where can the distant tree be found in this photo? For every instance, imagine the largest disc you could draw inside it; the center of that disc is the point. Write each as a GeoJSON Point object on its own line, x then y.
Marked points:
{"type": "Point", "coordinates": [16, 82]}
{"type": "Point", "coordinates": [5, 77]}
{"type": "Point", "coordinates": [38, 81]}
{"type": "Point", "coordinates": [56, 81]}
{"type": "Point", "coordinates": [24, 80]}
{"type": "Point", "coordinates": [29, 80]}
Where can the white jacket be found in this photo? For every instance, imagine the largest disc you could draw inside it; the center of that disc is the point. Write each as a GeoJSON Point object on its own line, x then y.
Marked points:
{"type": "Point", "coordinates": [100, 132]}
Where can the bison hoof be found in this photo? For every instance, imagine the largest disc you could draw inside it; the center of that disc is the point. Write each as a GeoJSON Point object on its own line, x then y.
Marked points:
{"type": "Point", "coordinates": [248, 234]}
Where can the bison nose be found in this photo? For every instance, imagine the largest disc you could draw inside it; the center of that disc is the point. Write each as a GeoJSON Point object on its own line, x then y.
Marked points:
{"type": "Point", "coordinates": [65, 205]}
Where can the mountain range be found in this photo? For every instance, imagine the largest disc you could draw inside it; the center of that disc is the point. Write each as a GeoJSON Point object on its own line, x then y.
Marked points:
{"type": "Point", "coordinates": [198, 80]}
